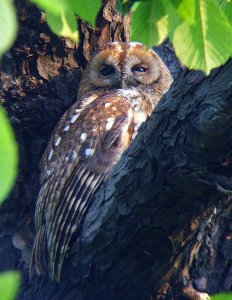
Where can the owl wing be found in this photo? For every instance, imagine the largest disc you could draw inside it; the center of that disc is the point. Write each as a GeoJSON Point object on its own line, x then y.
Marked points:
{"type": "Point", "coordinates": [83, 149]}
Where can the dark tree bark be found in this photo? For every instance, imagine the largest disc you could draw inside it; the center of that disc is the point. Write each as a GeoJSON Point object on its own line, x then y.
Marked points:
{"type": "Point", "coordinates": [160, 228]}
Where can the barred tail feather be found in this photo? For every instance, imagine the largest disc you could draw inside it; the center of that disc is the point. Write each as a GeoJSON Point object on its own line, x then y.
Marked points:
{"type": "Point", "coordinates": [63, 223]}
{"type": "Point", "coordinates": [39, 258]}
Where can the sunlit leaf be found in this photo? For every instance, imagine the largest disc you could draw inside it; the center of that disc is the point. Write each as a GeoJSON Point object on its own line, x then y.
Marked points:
{"type": "Point", "coordinates": [55, 6]}
{"type": "Point", "coordinates": [174, 18]}
{"type": "Point", "coordinates": [149, 22]}
{"type": "Point", "coordinates": [221, 296]}
{"type": "Point", "coordinates": [61, 15]}
{"type": "Point", "coordinates": [9, 285]}
{"type": "Point", "coordinates": [185, 8]}
{"type": "Point", "coordinates": [8, 156]}
{"type": "Point", "coordinates": [86, 9]}
{"type": "Point", "coordinates": [226, 7]}
{"type": "Point", "coordinates": [207, 42]}
{"type": "Point", "coordinates": [64, 24]}
{"type": "Point", "coordinates": [8, 21]}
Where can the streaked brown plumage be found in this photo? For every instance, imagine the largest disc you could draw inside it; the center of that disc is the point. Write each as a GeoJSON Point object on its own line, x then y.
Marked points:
{"type": "Point", "coordinates": [119, 89]}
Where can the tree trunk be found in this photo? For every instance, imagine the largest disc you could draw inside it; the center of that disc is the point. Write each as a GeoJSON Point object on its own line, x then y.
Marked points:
{"type": "Point", "coordinates": [160, 227]}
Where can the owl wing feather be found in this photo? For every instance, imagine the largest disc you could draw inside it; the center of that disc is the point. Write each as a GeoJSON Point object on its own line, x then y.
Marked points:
{"type": "Point", "coordinates": [83, 149]}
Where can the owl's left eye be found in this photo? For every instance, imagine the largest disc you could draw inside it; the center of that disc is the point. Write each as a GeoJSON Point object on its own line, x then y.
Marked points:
{"type": "Point", "coordinates": [139, 69]}
{"type": "Point", "coordinates": [107, 70]}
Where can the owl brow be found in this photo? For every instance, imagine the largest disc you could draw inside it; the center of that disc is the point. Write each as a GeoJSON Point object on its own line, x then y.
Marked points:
{"type": "Point", "coordinates": [122, 58]}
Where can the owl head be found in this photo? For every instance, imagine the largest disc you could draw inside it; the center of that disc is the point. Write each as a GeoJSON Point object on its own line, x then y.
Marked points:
{"type": "Point", "coordinates": [126, 66]}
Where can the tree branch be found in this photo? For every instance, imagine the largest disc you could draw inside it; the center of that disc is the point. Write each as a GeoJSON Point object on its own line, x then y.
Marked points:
{"type": "Point", "coordinates": [154, 218]}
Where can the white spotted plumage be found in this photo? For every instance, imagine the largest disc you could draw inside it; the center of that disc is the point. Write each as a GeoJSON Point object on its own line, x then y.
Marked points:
{"type": "Point", "coordinates": [66, 128]}
{"type": "Point", "coordinates": [57, 140]}
{"type": "Point", "coordinates": [109, 123]}
{"type": "Point", "coordinates": [89, 152]}
{"type": "Point", "coordinates": [74, 118]}
{"type": "Point", "coordinates": [50, 155]}
{"type": "Point", "coordinates": [83, 136]}
{"type": "Point", "coordinates": [118, 91]}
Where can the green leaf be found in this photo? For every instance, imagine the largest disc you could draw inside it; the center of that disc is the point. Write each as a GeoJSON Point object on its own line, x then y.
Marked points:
{"type": "Point", "coordinates": [64, 24]}
{"type": "Point", "coordinates": [8, 25]}
{"type": "Point", "coordinates": [125, 6]}
{"type": "Point", "coordinates": [55, 7]}
{"type": "Point", "coordinates": [149, 22]}
{"type": "Point", "coordinates": [174, 18]}
{"type": "Point", "coordinates": [185, 9]}
{"type": "Point", "coordinates": [226, 7]}
{"type": "Point", "coordinates": [120, 6]}
{"type": "Point", "coordinates": [61, 15]}
{"type": "Point", "coordinates": [86, 9]}
{"type": "Point", "coordinates": [8, 157]}
{"type": "Point", "coordinates": [222, 296]}
{"type": "Point", "coordinates": [9, 285]}
{"type": "Point", "coordinates": [206, 43]}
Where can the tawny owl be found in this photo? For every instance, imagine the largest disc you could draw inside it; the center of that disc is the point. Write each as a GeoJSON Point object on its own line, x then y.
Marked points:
{"type": "Point", "coordinates": [119, 89]}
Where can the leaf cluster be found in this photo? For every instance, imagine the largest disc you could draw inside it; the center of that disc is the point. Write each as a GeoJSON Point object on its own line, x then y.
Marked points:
{"type": "Point", "coordinates": [61, 15]}
{"type": "Point", "coordinates": [9, 281]}
{"type": "Point", "coordinates": [9, 285]}
{"type": "Point", "coordinates": [222, 296]}
{"type": "Point", "coordinates": [200, 30]}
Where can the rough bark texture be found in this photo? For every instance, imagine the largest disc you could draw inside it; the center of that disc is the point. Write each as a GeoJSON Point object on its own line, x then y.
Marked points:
{"type": "Point", "coordinates": [160, 228]}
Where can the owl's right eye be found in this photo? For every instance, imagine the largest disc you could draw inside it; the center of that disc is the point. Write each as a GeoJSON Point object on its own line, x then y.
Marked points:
{"type": "Point", "coordinates": [107, 70]}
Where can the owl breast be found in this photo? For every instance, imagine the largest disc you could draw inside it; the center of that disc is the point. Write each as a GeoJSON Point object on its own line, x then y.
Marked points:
{"type": "Point", "coordinates": [118, 92]}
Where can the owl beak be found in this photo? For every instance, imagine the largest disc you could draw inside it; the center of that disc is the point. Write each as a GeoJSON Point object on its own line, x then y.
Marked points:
{"type": "Point", "coordinates": [123, 85]}
{"type": "Point", "coordinates": [127, 82]}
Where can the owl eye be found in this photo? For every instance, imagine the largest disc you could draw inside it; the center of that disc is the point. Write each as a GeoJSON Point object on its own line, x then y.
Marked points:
{"type": "Point", "coordinates": [107, 70]}
{"type": "Point", "coordinates": [139, 69]}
